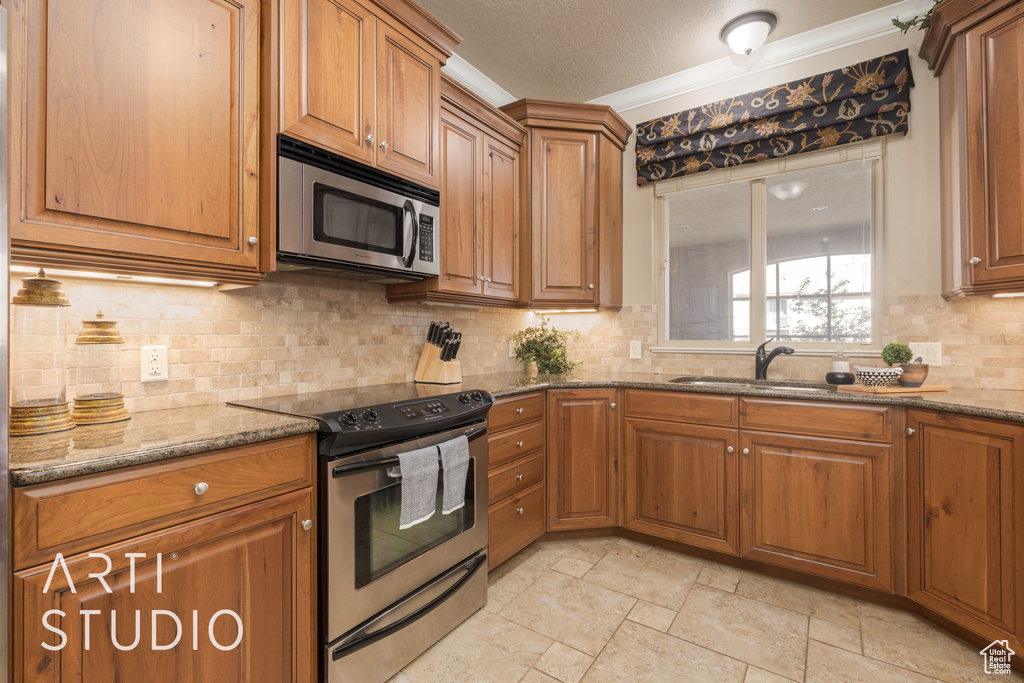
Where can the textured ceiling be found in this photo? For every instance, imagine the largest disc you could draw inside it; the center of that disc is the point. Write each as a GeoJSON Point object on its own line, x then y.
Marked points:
{"type": "Point", "coordinates": [579, 50]}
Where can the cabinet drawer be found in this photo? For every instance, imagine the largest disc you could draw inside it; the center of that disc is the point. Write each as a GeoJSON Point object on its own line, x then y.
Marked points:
{"type": "Point", "coordinates": [82, 513]}
{"type": "Point", "coordinates": [515, 443]}
{"type": "Point", "coordinates": [515, 524]}
{"type": "Point", "coordinates": [515, 476]}
{"type": "Point", "coordinates": [516, 410]}
{"type": "Point", "coordinates": [837, 421]}
{"type": "Point", "coordinates": [702, 409]}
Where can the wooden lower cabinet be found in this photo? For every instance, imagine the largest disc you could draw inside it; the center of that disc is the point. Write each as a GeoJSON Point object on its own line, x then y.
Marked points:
{"type": "Point", "coordinates": [821, 506]}
{"type": "Point", "coordinates": [682, 483]}
{"type": "Point", "coordinates": [965, 517]}
{"type": "Point", "coordinates": [515, 523]}
{"type": "Point", "coordinates": [582, 459]}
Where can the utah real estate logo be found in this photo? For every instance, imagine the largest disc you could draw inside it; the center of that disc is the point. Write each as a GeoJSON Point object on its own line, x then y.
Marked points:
{"type": "Point", "coordinates": [997, 657]}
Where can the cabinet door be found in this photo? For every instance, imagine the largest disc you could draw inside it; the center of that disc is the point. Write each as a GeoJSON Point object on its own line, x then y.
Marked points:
{"type": "Point", "coordinates": [327, 75]}
{"type": "Point", "coordinates": [564, 241]}
{"type": "Point", "coordinates": [136, 147]}
{"type": "Point", "coordinates": [461, 205]}
{"type": "Point", "coordinates": [500, 228]}
{"type": "Point", "coordinates": [408, 103]}
{"type": "Point", "coordinates": [821, 506]}
{"type": "Point", "coordinates": [966, 561]}
{"type": "Point", "coordinates": [582, 459]}
{"type": "Point", "coordinates": [257, 562]}
{"type": "Point", "coordinates": [682, 483]}
{"type": "Point", "coordinates": [995, 145]}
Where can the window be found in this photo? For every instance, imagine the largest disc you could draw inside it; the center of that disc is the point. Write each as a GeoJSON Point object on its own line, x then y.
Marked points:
{"type": "Point", "coordinates": [785, 249]}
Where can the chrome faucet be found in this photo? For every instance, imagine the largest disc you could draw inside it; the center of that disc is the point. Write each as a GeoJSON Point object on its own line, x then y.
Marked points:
{"type": "Point", "coordinates": [762, 361]}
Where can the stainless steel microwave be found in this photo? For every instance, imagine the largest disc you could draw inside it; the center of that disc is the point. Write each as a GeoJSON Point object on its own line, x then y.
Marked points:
{"type": "Point", "coordinates": [338, 215]}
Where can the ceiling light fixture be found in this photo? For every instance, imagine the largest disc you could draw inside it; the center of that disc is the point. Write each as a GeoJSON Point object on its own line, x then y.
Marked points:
{"type": "Point", "coordinates": [747, 32]}
{"type": "Point", "coordinates": [790, 190]}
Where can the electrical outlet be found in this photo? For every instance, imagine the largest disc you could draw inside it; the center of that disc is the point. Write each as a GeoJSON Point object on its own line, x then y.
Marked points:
{"type": "Point", "coordinates": [153, 363]}
{"type": "Point", "coordinates": [930, 352]}
{"type": "Point", "coordinates": [635, 349]}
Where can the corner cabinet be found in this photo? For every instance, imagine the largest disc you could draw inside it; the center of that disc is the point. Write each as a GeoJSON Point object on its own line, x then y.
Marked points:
{"type": "Point", "coordinates": [583, 464]}
{"type": "Point", "coordinates": [364, 80]}
{"type": "Point", "coordinates": [571, 248]}
{"type": "Point", "coordinates": [976, 48]}
{"type": "Point", "coordinates": [479, 206]}
{"type": "Point", "coordinates": [136, 148]}
{"type": "Point", "coordinates": [965, 513]}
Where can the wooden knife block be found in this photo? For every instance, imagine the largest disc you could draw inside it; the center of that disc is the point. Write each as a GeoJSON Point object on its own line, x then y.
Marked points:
{"type": "Point", "coordinates": [432, 370]}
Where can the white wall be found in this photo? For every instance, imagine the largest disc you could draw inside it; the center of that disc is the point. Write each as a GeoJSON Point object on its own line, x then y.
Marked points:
{"type": "Point", "coordinates": [912, 172]}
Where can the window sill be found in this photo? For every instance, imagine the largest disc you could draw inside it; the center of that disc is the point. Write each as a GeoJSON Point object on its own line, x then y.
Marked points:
{"type": "Point", "coordinates": [866, 352]}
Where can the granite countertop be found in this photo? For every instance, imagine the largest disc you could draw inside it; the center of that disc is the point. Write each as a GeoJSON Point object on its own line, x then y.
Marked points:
{"type": "Point", "coordinates": [147, 437]}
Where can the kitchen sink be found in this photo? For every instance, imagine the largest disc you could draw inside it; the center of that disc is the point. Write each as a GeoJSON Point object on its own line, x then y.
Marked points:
{"type": "Point", "coordinates": [748, 385]}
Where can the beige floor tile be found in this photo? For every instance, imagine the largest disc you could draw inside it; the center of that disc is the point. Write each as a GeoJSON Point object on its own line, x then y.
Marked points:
{"type": "Point", "coordinates": [720, 576]}
{"type": "Point", "coordinates": [628, 544]}
{"type": "Point", "coordinates": [652, 616]}
{"type": "Point", "coordinates": [660, 577]}
{"type": "Point", "coordinates": [485, 648]}
{"type": "Point", "coordinates": [497, 599]}
{"type": "Point", "coordinates": [838, 609]}
{"type": "Point", "coordinates": [827, 664]}
{"type": "Point", "coordinates": [581, 615]}
{"type": "Point", "coordinates": [757, 633]}
{"type": "Point", "coordinates": [909, 641]}
{"type": "Point", "coordinates": [834, 634]}
{"type": "Point", "coordinates": [564, 663]}
{"type": "Point", "coordinates": [534, 676]}
{"type": "Point", "coordinates": [399, 678]}
{"type": "Point", "coordinates": [515, 578]}
{"type": "Point", "coordinates": [637, 653]}
{"type": "Point", "coordinates": [586, 549]}
{"type": "Point", "coordinates": [755, 675]}
{"type": "Point", "coordinates": [572, 567]}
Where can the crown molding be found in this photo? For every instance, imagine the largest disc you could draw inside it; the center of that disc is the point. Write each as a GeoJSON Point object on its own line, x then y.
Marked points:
{"type": "Point", "coordinates": [858, 29]}
{"type": "Point", "coordinates": [466, 74]}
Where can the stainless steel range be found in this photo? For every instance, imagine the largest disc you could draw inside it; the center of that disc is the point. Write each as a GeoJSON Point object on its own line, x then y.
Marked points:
{"type": "Point", "coordinates": [387, 594]}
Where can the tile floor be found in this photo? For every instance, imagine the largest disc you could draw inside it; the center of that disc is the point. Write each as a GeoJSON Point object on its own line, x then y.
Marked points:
{"type": "Point", "coordinates": [610, 609]}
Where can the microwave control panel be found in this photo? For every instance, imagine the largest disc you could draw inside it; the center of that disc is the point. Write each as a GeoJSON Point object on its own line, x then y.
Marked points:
{"type": "Point", "coordinates": [427, 239]}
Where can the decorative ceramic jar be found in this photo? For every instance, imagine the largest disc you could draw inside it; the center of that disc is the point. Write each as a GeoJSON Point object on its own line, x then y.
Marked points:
{"type": "Point", "coordinates": [38, 358]}
{"type": "Point", "coordinates": [98, 396]}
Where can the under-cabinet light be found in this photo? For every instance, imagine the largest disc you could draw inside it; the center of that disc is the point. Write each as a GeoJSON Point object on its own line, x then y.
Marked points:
{"type": "Point", "coordinates": [89, 275]}
{"type": "Point", "coordinates": [1008, 295]}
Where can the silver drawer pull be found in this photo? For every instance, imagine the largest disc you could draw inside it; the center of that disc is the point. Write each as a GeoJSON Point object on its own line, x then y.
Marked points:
{"type": "Point", "coordinates": [613, 406]}
{"type": "Point", "coordinates": [201, 488]}
{"type": "Point", "coordinates": [910, 431]}
{"type": "Point", "coordinates": [307, 524]}
{"type": "Point", "coordinates": [519, 477]}
{"type": "Point", "coordinates": [519, 443]}
{"type": "Point", "coordinates": [729, 449]}
{"type": "Point", "coordinates": [974, 261]}
{"type": "Point", "coordinates": [369, 139]}
{"type": "Point", "coordinates": [746, 451]}
{"type": "Point", "coordinates": [253, 241]}
{"type": "Point", "coordinates": [519, 510]}
{"type": "Point", "coordinates": [384, 145]}
{"type": "Point", "coordinates": [519, 411]}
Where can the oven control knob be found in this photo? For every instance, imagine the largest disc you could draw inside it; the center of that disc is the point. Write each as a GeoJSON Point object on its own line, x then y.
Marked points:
{"type": "Point", "coordinates": [463, 398]}
{"type": "Point", "coordinates": [370, 415]}
{"type": "Point", "coordinates": [477, 396]}
{"type": "Point", "coordinates": [349, 418]}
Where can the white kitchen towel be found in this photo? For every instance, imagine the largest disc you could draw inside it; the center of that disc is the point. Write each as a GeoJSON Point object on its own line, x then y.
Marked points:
{"type": "Point", "coordinates": [455, 461]}
{"type": "Point", "coordinates": [419, 486]}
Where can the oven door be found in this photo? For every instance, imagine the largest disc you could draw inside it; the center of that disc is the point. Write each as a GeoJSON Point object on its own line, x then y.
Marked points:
{"type": "Point", "coordinates": [371, 563]}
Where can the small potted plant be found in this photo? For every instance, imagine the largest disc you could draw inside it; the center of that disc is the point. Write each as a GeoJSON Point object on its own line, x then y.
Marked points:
{"type": "Point", "coordinates": [545, 345]}
{"type": "Point", "coordinates": [914, 373]}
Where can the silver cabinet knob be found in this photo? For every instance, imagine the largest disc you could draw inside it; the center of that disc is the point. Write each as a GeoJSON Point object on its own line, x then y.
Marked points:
{"type": "Point", "coordinates": [519, 444]}
{"type": "Point", "coordinates": [480, 278]}
{"type": "Point", "coordinates": [590, 286]}
{"type": "Point", "coordinates": [519, 411]}
{"type": "Point", "coordinates": [613, 406]}
{"type": "Point", "coordinates": [384, 144]}
{"type": "Point", "coordinates": [746, 451]}
{"type": "Point", "coordinates": [519, 477]}
{"type": "Point", "coordinates": [910, 431]}
{"type": "Point", "coordinates": [519, 510]}
{"type": "Point", "coordinates": [307, 524]}
{"type": "Point", "coordinates": [201, 488]}
{"type": "Point", "coordinates": [369, 139]}
{"type": "Point", "coordinates": [488, 279]}
{"type": "Point", "coordinates": [974, 261]}
{"type": "Point", "coordinates": [729, 449]}
{"type": "Point", "coordinates": [253, 241]}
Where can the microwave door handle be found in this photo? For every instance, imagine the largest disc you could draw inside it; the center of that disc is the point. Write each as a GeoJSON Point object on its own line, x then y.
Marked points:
{"type": "Point", "coordinates": [411, 210]}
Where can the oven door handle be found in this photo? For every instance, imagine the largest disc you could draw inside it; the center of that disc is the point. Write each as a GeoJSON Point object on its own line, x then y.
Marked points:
{"type": "Point", "coordinates": [384, 463]}
{"type": "Point", "coordinates": [411, 210]}
{"type": "Point", "coordinates": [362, 636]}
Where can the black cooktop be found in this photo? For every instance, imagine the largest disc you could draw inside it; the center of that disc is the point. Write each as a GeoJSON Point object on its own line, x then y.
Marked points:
{"type": "Point", "coordinates": [356, 419]}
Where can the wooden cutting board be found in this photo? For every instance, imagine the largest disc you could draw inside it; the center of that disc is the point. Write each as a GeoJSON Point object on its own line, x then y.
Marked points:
{"type": "Point", "coordinates": [894, 389]}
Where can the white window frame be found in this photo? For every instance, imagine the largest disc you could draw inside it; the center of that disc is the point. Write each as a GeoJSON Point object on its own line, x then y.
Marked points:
{"type": "Point", "coordinates": [872, 150]}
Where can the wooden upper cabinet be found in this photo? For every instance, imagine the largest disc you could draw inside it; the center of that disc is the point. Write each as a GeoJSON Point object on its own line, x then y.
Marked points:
{"type": "Point", "coordinates": [363, 79]}
{"type": "Point", "coordinates": [479, 174]}
{"type": "Point", "coordinates": [977, 50]}
{"type": "Point", "coordinates": [582, 479]}
{"type": "Point", "coordinates": [136, 148]}
{"type": "Point", "coordinates": [965, 513]}
{"type": "Point", "coordinates": [571, 250]}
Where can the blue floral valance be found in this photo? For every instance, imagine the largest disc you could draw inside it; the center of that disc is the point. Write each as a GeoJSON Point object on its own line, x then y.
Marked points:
{"type": "Point", "coordinates": [865, 100]}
